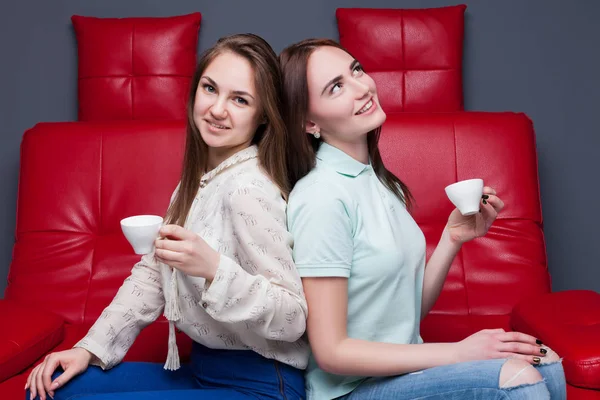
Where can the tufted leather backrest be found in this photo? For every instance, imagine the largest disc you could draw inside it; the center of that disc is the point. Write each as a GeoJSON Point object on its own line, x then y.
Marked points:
{"type": "Point", "coordinates": [77, 181]}
{"type": "Point", "coordinates": [135, 68]}
{"type": "Point", "coordinates": [414, 55]}
{"type": "Point", "coordinates": [491, 274]}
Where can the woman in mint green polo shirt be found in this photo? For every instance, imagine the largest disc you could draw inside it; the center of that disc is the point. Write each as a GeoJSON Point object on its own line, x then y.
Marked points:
{"type": "Point", "coordinates": [362, 256]}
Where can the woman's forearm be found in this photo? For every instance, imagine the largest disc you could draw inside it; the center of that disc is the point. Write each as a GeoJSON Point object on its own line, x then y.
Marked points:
{"type": "Point", "coordinates": [363, 358]}
{"type": "Point", "coordinates": [436, 271]}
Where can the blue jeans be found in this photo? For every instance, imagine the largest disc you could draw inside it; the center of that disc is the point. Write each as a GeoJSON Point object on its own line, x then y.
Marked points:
{"type": "Point", "coordinates": [211, 374]}
{"type": "Point", "coordinates": [477, 380]}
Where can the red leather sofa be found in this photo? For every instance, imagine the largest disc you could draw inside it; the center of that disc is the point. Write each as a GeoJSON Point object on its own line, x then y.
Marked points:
{"type": "Point", "coordinates": [78, 179]}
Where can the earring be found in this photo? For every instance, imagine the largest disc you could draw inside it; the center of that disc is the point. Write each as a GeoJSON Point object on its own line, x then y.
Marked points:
{"type": "Point", "coordinates": [317, 134]}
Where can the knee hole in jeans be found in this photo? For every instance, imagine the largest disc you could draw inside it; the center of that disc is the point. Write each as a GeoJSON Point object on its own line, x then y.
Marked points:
{"type": "Point", "coordinates": [516, 372]}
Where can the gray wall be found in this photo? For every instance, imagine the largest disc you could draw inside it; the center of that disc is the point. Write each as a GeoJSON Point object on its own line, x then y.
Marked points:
{"type": "Point", "coordinates": [535, 56]}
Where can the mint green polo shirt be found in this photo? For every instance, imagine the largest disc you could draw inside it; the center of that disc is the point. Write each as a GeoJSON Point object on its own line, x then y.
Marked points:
{"type": "Point", "coordinates": [346, 223]}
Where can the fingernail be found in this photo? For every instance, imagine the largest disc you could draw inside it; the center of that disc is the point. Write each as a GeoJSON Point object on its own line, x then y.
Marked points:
{"type": "Point", "coordinates": [543, 351]}
{"type": "Point", "coordinates": [485, 196]}
{"type": "Point", "coordinates": [484, 202]}
{"type": "Point", "coordinates": [538, 341]}
{"type": "Point", "coordinates": [536, 360]}
{"type": "Point", "coordinates": [54, 386]}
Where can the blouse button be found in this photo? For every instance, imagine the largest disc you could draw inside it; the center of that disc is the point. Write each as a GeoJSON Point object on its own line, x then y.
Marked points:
{"type": "Point", "coordinates": [204, 305]}
{"type": "Point", "coordinates": [202, 184]}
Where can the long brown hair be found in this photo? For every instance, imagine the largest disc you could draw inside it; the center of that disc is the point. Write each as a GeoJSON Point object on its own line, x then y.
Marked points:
{"type": "Point", "coordinates": [302, 147]}
{"type": "Point", "coordinates": [270, 136]}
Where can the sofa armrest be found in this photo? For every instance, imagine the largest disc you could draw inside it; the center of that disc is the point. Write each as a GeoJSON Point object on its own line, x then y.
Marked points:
{"type": "Point", "coordinates": [27, 334]}
{"type": "Point", "coordinates": [569, 323]}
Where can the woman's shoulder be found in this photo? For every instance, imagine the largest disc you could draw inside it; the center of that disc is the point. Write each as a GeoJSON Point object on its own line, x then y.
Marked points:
{"type": "Point", "coordinates": [251, 180]}
{"type": "Point", "coordinates": [319, 186]}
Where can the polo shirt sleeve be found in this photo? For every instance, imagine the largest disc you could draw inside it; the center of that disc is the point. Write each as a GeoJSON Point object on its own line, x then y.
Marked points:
{"type": "Point", "coordinates": [322, 229]}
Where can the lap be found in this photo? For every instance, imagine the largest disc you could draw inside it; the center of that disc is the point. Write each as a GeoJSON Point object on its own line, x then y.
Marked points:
{"type": "Point", "coordinates": [200, 394]}
{"type": "Point", "coordinates": [476, 379]}
{"type": "Point", "coordinates": [126, 377]}
{"type": "Point", "coordinates": [483, 375]}
{"type": "Point", "coordinates": [149, 381]}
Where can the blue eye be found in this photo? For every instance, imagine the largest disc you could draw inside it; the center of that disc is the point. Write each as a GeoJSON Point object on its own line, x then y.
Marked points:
{"type": "Point", "coordinates": [241, 100]}
{"type": "Point", "coordinates": [209, 88]}
{"type": "Point", "coordinates": [335, 88]}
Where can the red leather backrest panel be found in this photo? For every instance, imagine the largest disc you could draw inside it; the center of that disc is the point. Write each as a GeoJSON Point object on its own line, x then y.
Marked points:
{"type": "Point", "coordinates": [77, 181]}
{"type": "Point", "coordinates": [430, 151]}
{"type": "Point", "coordinates": [414, 55]}
{"type": "Point", "coordinates": [135, 68]}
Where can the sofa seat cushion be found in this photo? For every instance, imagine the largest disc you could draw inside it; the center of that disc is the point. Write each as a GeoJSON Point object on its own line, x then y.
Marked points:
{"type": "Point", "coordinates": [27, 334]}
{"type": "Point", "coordinates": [569, 323]}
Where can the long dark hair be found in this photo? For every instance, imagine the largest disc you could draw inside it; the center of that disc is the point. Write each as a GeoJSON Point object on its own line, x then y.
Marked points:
{"type": "Point", "coordinates": [302, 147]}
{"type": "Point", "coordinates": [270, 136]}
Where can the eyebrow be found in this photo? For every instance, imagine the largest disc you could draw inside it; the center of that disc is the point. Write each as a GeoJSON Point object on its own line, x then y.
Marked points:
{"type": "Point", "coordinates": [338, 78]}
{"type": "Point", "coordinates": [236, 92]}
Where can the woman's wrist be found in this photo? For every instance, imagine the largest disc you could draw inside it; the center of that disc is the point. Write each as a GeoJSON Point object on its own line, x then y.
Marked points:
{"type": "Point", "coordinates": [86, 353]}
{"type": "Point", "coordinates": [449, 240]}
{"type": "Point", "coordinates": [453, 353]}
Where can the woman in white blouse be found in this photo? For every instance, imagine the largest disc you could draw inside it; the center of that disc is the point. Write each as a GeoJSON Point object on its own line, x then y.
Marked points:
{"type": "Point", "coordinates": [222, 271]}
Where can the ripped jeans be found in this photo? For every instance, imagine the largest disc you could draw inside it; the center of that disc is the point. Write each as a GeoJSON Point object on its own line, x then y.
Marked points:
{"type": "Point", "coordinates": [476, 380]}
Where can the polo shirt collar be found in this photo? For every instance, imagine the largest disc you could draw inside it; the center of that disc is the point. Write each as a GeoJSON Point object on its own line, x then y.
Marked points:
{"type": "Point", "coordinates": [340, 161]}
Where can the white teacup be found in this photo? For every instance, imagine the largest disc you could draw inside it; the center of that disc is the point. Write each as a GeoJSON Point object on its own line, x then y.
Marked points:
{"type": "Point", "coordinates": [141, 231]}
{"type": "Point", "coordinates": [466, 195]}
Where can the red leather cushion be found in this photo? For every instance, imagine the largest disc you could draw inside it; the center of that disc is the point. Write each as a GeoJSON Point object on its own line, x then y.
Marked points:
{"type": "Point", "coordinates": [135, 68]}
{"type": "Point", "coordinates": [414, 55]}
{"type": "Point", "coordinates": [568, 322]}
{"type": "Point", "coordinates": [78, 180]}
{"type": "Point", "coordinates": [575, 393]}
{"type": "Point", "coordinates": [27, 333]}
{"type": "Point", "coordinates": [490, 275]}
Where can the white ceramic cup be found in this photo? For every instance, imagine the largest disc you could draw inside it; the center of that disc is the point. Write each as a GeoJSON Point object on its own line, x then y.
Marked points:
{"type": "Point", "coordinates": [466, 195]}
{"type": "Point", "coordinates": [141, 231]}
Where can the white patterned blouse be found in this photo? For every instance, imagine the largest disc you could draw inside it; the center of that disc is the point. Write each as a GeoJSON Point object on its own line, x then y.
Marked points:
{"type": "Point", "coordinates": [255, 301]}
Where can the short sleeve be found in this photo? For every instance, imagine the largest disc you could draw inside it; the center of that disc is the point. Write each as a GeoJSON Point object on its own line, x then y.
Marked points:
{"type": "Point", "coordinates": [322, 228]}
